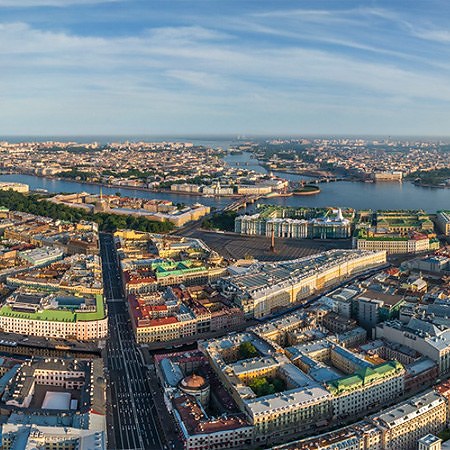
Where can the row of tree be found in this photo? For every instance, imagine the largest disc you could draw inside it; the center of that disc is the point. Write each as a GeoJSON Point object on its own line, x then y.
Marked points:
{"type": "Point", "coordinates": [36, 204]}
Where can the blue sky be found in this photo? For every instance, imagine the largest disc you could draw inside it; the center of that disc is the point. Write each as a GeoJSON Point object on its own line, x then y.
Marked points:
{"type": "Point", "coordinates": [225, 67]}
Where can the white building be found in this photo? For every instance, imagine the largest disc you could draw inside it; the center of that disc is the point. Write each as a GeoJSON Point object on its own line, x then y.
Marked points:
{"type": "Point", "coordinates": [424, 337]}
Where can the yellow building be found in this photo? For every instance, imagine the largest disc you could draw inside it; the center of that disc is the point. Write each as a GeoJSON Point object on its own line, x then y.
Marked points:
{"type": "Point", "coordinates": [404, 424]}
{"type": "Point", "coordinates": [267, 287]}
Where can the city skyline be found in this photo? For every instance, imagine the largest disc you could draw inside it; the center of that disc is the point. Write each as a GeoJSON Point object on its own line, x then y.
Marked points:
{"type": "Point", "coordinates": [116, 67]}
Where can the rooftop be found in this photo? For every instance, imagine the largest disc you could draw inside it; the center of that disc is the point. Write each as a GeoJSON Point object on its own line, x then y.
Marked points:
{"type": "Point", "coordinates": [58, 314]}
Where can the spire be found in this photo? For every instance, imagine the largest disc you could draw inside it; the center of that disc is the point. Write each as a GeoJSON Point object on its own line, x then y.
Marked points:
{"type": "Point", "coordinates": [340, 217]}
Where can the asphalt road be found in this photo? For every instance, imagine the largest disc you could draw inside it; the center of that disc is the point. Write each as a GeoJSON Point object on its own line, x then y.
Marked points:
{"type": "Point", "coordinates": [132, 417]}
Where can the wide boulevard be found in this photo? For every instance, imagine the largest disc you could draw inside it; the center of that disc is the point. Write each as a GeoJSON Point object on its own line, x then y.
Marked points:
{"type": "Point", "coordinates": [132, 417]}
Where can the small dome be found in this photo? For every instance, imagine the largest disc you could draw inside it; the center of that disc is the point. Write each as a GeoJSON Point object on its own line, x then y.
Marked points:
{"type": "Point", "coordinates": [193, 382]}
{"type": "Point", "coordinates": [214, 258]}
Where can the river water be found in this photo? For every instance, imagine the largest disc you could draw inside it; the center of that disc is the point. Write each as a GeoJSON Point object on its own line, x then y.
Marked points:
{"type": "Point", "coordinates": [342, 193]}
{"type": "Point", "coordinates": [355, 194]}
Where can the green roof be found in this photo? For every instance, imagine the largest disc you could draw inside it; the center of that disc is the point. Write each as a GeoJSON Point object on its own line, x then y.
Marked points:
{"type": "Point", "coordinates": [176, 268]}
{"type": "Point", "coordinates": [47, 314]}
{"type": "Point", "coordinates": [364, 237]}
{"type": "Point", "coordinates": [364, 376]}
{"type": "Point", "coordinates": [98, 314]}
{"type": "Point", "coordinates": [58, 315]}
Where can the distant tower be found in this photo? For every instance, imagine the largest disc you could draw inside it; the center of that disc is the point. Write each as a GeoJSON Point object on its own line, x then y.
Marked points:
{"type": "Point", "coordinates": [272, 241]}
{"type": "Point", "coordinates": [340, 217]}
{"type": "Point", "coordinates": [102, 205]}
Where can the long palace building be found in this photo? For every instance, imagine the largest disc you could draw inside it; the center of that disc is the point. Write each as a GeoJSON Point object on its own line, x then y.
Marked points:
{"type": "Point", "coordinates": [265, 287]}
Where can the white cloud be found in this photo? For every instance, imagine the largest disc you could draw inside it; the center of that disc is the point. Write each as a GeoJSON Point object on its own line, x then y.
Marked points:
{"type": "Point", "coordinates": [436, 35]}
{"type": "Point", "coordinates": [188, 75]}
{"type": "Point", "coordinates": [203, 58]}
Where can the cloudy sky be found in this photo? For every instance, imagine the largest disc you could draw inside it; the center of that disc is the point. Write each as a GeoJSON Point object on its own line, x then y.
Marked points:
{"type": "Point", "coordinates": [225, 67]}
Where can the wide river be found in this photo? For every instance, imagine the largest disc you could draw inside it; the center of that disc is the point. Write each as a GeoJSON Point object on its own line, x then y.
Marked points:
{"type": "Point", "coordinates": [342, 193]}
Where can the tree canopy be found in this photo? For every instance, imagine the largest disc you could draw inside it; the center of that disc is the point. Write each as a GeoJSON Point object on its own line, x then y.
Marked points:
{"type": "Point", "coordinates": [222, 221]}
{"type": "Point", "coordinates": [247, 350]}
{"type": "Point", "coordinates": [266, 386]}
{"type": "Point", "coordinates": [36, 204]}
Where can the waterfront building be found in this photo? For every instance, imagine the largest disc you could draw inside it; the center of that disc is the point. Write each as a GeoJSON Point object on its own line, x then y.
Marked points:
{"type": "Point", "coordinates": [253, 189]}
{"type": "Point", "coordinates": [401, 231]}
{"type": "Point", "coordinates": [403, 221]}
{"type": "Point", "coordinates": [217, 189]}
{"type": "Point", "coordinates": [185, 187]}
{"type": "Point", "coordinates": [17, 187]}
{"type": "Point", "coordinates": [326, 227]}
{"type": "Point", "coordinates": [393, 175]}
{"type": "Point", "coordinates": [250, 224]}
{"type": "Point", "coordinates": [280, 228]}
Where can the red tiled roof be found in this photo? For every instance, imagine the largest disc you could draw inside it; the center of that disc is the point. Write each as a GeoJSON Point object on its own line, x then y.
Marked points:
{"type": "Point", "coordinates": [162, 321]}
